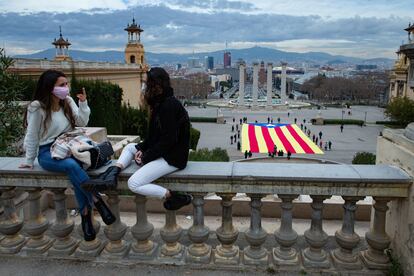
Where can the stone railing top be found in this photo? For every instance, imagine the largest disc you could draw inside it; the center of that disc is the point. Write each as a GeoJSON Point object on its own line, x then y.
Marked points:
{"type": "Point", "coordinates": [233, 177]}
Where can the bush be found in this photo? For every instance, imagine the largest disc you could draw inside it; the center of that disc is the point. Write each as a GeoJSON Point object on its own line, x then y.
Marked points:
{"type": "Point", "coordinates": [134, 121]}
{"type": "Point", "coordinates": [215, 155]}
{"type": "Point", "coordinates": [203, 119]}
{"type": "Point", "coordinates": [401, 109]}
{"type": "Point", "coordinates": [390, 123]}
{"type": "Point", "coordinates": [194, 137]}
{"type": "Point", "coordinates": [345, 122]}
{"type": "Point", "coordinates": [364, 158]}
{"type": "Point", "coordinates": [104, 100]}
{"type": "Point", "coordinates": [11, 120]}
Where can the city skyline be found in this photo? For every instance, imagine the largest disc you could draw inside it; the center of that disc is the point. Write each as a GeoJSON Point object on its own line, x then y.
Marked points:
{"type": "Point", "coordinates": [368, 30]}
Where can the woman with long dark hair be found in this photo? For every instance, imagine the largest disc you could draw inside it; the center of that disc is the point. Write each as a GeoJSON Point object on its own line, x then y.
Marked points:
{"type": "Point", "coordinates": [51, 113]}
{"type": "Point", "coordinates": [164, 151]}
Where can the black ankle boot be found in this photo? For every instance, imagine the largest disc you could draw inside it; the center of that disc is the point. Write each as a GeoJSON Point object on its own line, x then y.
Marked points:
{"type": "Point", "coordinates": [177, 200]}
{"type": "Point", "coordinates": [89, 233]}
{"type": "Point", "coordinates": [107, 180]}
{"type": "Point", "coordinates": [106, 214]}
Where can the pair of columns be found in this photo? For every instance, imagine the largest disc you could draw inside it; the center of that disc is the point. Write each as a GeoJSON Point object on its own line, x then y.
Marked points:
{"type": "Point", "coordinates": [256, 84]}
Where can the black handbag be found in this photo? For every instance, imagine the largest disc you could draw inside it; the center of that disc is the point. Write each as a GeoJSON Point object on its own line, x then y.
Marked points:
{"type": "Point", "coordinates": [101, 154]}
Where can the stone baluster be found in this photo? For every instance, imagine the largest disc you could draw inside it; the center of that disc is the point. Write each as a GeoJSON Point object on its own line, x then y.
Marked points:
{"type": "Point", "coordinates": [36, 225]}
{"type": "Point", "coordinates": [198, 233]}
{"type": "Point", "coordinates": [116, 247]}
{"type": "Point", "coordinates": [314, 255]}
{"type": "Point", "coordinates": [90, 249]}
{"type": "Point", "coordinates": [65, 244]}
{"type": "Point", "coordinates": [255, 253]}
{"type": "Point", "coordinates": [347, 239]}
{"type": "Point", "coordinates": [10, 224]}
{"type": "Point", "coordinates": [377, 238]}
{"type": "Point", "coordinates": [171, 233]}
{"type": "Point", "coordinates": [144, 248]}
{"type": "Point", "coordinates": [227, 252]}
{"type": "Point", "coordinates": [286, 237]}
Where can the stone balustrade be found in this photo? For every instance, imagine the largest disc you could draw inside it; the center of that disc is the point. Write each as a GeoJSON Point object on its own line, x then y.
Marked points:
{"type": "Point", "coordinates": [220, 247]}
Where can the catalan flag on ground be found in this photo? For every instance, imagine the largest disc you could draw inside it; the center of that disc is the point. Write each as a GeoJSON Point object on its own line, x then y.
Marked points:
{"type": "Point", "coordinates": [286, 137]}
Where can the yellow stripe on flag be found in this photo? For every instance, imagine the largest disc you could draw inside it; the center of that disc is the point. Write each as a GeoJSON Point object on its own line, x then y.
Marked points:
{"type": "Point", "coordinates": [245, 145]}
{"type": "Point", "coordinates": [276, 140]}
{"type": "Point", "coordinates": [261, 143]}
{"type": "Point", "coordinates": [308, 141]}
{"type": "Point", "coordinates": [292, 140]}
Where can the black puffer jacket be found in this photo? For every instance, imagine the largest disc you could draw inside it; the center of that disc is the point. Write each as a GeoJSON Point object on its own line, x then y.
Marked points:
{"type": "Point", "coordinates": [169, 133]}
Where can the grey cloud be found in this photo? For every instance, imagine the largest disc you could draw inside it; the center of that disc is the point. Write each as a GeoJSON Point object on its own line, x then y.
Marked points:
{"type": "Point", "coordinates": [214, 4]}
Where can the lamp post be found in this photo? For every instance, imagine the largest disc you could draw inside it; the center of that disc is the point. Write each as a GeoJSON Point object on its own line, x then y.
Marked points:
{"type": "Point", "coordinates": [365, 119]}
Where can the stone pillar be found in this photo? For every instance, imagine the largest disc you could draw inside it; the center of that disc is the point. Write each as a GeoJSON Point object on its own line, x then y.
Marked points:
{"type": "Point", "coordinates": [396, 147]}
{"type": "Point", "coordinates": [255, 253]}
{"type": "Point", "coordinates": [269, 85]}
{"type": "Point", "coordinates": [314, 256]}
{"type": "Point", "coordinates": [255, 89]}
{"type": "Point", "coordinates": [286, 237]}
{"type": "Point", "coordinates": [377, 238]}
{"type": "Point", "coordinates": [90, 249]}
{"type": "Point", "coordinates": [344, 257]}
{"type": "Point", "coordinates": [283, 84]}
{"type": "Point", "coordinates": [10, 224]}
{"type": "Point", "coordinates": [36, 225]}
{"type": "Point", "coordinates": [63, 227]}
{"type": "Point", "coordinates": [227, 252]}
{"type": "Point", "coordinates": [144, 248]}
{"type": "Point", "coordinates": [242, 69]}
{"type": "Point", "coordinates": [171, 233]}
{"type": "Point", "coordinates": [116, 247]}
{"type": "Point", "coordinates": [198, 251]}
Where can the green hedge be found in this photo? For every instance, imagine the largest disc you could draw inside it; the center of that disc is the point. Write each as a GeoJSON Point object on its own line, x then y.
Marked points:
{"type": "Point", "coordinates": [365, 158]}
{"type": "Point", "coordinates": [389, 123]}
{"type": "Point", "coordinates": [215, 155]}
{"type": "Point", "coordinates": [203, 119]}
{"type": "Point", "coordinates": [134, 121]}
{"type": "Point", "coordinates": [194, 137]}
{"type": "Point", "coordinates": [104, 100]}
{"type": "Point", "coordinates": [345, 122]}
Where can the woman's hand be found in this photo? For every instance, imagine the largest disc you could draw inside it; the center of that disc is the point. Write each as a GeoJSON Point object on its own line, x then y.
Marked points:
{"type": "Point", "coordinates": [82, 96]}
{"type": "Point", "coordinates": [138, 157]}
{"type": "Point", "coordinates": [25, 166]}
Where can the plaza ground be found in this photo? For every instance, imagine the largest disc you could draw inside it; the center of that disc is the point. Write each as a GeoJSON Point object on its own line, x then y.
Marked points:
{"type": "Point", "coordinates": [345, 145]}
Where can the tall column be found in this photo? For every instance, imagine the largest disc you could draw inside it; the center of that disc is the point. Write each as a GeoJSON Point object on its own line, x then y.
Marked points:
{"type": "Point", "coordinates": [172, 249]}
{"type": "Point", "coordinates": [242, 69]}
{"type": "Point", "coordinates": [227, 252]}
{"type": "Point", "coordinates": [315, 255]}
{"type": "Point", "coordinates": [255, 90]}
{"type": "Point", "coordinates": [285, 236]}
{"type": "Point", "coordinates": [377, 238]}
{"type": "Point", "coordinates": [10, 223]}
{"type": "Point", "coordinates": [143, 248]}
{"type": "Point", "coordinates": [269, 85]}
{"type": "Point", "coordinates": [344, 257]}
{"type": "Point", "coordinates": [255, 253]}
{"type": "Point", "coordinates": [62, 228]}
{"type": "Point", "coordinates": [283, 83]}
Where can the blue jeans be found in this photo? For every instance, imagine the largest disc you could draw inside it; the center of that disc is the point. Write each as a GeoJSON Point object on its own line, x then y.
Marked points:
{"type": "Point", "coordinates": [73, 169]}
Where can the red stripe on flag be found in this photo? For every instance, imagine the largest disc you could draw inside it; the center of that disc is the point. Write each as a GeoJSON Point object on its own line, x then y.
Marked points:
{"type": "Point", "coordinates": [254, 147]}
{"type": "Point", "coordinates": [269, 142]}
{"type": "Point", "coordinates": [284, 141]}
{"type": "Point", "coordinates": [299, 139]}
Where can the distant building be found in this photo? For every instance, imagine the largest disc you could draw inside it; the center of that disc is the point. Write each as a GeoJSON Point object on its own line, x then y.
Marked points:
{"type": "Point", "coordinates": [233, 72]}
{"type": "Point", "coordinates": [178, 66]}
{"type": "Point", "coordinates": [193, 62]}
{"type": "Point", "coordinates": [361, 67]}
{"type": "Point", "coordinates": [262, 75]}
{"type": "Point", "coordinates": [62, 47]}
{"type": "Point", "coordinates": [227, 59]}
{"type": "Point", "coordinates": [209, 63]}
{"type": "Point", "coordinates": [402, 74]}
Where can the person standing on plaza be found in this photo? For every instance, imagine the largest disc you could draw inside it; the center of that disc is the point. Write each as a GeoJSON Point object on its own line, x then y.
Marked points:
{"type": "Point", "coordinates": [342, 127]}
{"type": "Point", "coordinates": [320, 134]}
{"type": "Point", "coordinates": [231, 140]}
{"type": "Point", "coordinates": [329, 145]}
{"type": "Point", "coordinates": [232, 128]}
{"type": "Point", "coordinates": [52, 113]}
{"type": "Point", "coordinates": [289, 154]}
{"type": "Point", "coordinates": [313, 138]}
{"type": "Point", "coordinates": [296, 120]}
{"type": "Point", "coordinates": [316, 140]}
{"type": "Point", "coordinates": [164, 150]}
{"type": "Point", "coordinates": [246, 154]}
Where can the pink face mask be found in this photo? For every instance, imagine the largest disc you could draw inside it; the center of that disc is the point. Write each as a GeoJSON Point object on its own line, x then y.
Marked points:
{"type": "Point", "coordinates": [61, 92]}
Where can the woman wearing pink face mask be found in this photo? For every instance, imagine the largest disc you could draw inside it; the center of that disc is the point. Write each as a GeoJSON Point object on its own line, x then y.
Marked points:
{"type": "Point", "coordinates": [51, 113]}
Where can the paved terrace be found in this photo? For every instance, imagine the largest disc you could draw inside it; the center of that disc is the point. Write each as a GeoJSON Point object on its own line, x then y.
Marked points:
{"type": "Point", "coordinates": [226, 248]}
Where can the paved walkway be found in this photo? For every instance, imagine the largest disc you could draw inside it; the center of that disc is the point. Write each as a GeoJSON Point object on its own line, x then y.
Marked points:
{"type": "Point", "coordinates": [344, 145]}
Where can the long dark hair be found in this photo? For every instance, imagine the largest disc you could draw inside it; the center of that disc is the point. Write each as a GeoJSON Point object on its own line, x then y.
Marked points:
{"type": "Point", "coordinates": [158, 86]}
{"type": "Point", "coordinates": [43, 94]}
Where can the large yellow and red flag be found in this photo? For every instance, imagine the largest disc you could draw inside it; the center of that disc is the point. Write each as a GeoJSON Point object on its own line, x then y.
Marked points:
{"type": "Point", "coordinates": [287, 137]}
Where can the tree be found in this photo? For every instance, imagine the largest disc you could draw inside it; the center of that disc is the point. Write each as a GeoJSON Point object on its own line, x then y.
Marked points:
{"type": "Point", "coordinates": [364, 158]}
{"type": "Point", "coordinates": [401, 109]}
{"type": "Point", "coordinates": [11, 120]}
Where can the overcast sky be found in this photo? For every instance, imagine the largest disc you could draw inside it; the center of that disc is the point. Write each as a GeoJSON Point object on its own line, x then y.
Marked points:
{"type": "Point", "coordinates": [364, 28]}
